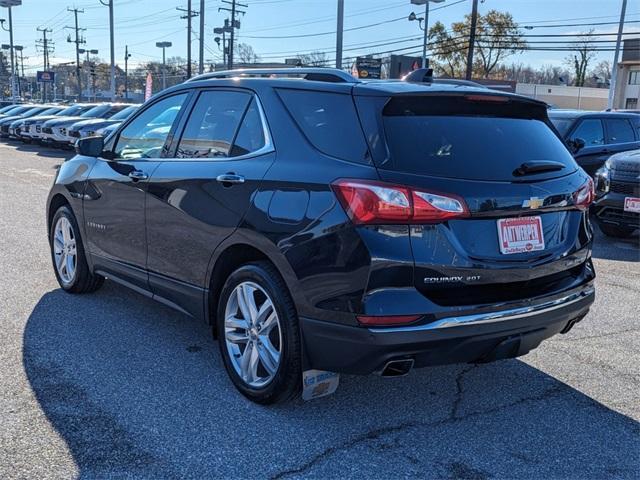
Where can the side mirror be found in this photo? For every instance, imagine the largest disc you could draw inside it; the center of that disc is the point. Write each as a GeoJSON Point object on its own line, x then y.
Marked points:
{"type": "Point", "coordinates": [576, 144]}
{"type": "Point", "coordinates": [90, 146]}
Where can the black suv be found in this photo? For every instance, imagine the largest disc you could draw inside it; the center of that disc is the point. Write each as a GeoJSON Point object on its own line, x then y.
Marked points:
{"type": "Point", "coordinates": [617, 208]}
{"type": "Point", "coordinates": [593, 137]}
{"type": "Point", "coordinates": [321, 223]}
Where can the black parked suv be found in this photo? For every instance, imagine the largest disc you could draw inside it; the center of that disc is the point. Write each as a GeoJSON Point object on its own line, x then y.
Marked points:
{"type": "Point", "coordinates": [325, 223]}
{"type": "Point", "coordinates": [617, 207]}
{"type": "Point", "coordinates": [593, 137]}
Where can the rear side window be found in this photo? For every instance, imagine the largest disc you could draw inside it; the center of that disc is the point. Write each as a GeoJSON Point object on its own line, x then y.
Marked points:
{"type": "Point", "coordinates": [476, 146]}
{"type": "Point", "coordinates": [329, 121]}
{"type": "Point", "coordinates": [212, 125]}
{"type": "Point", "coordinates": [619, 131]}
{"type": "Point", "coordinates": [590, 130]}
{"type": "Point", "coordinates": [250, 137]}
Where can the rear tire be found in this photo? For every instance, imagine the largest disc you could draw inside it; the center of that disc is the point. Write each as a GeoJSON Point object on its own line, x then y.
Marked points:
{"type": "Point", "coordinates": [68, 255]}
{"type": "Point", "coordinates": [615, 230]}
{"type": "Point", "coordinates": [261, 351]}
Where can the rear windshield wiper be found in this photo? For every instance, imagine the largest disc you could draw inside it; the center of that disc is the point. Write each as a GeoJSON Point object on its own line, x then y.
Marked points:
{"type": "Point", "coordinates": [531, 168]}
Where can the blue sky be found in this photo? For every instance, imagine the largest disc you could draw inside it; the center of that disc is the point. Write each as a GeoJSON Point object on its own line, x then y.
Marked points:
{"type": "Point", "coordinates": [306, 24]}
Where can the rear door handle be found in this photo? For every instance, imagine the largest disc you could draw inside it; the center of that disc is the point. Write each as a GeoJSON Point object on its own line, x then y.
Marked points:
{"type": "Point", "coordinates": [138, 175]}
{"type": "Point", "coordinates": [230, 178]}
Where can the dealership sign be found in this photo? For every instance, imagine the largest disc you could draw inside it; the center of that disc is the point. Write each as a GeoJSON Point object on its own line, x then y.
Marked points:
{"type": "Point", "coordinates": [368, 67]}
{"type": "Point", "coordinates": [46, 77]}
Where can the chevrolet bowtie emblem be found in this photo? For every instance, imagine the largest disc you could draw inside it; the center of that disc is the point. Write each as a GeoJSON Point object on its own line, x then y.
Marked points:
{"type": "Point", "coordinates": [533, 203]}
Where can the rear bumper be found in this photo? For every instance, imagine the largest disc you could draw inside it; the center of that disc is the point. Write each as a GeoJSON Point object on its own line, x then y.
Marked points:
{"type": "Point", "coordinates": [470, 338]}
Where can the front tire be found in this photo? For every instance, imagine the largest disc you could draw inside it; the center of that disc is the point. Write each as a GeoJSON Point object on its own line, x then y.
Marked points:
{"type": "Point", "coordinates": [615, 230]}
{"type": "Point", "coordinates": [258, 334]}
{"type": "Point", "coordinates": [68, 255]}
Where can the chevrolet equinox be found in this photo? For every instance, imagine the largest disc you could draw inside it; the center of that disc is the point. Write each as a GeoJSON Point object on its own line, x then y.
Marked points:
{"type": "Point", "coordinates": [323, 223]}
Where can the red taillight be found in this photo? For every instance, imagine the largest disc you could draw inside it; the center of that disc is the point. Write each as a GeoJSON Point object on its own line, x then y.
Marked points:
{"type": "Point", "coordinates": [388, 320]}
{"type": "Point", "coordinates": [584, 196]}
{"type": "Point", "coordinates": [368, 202]}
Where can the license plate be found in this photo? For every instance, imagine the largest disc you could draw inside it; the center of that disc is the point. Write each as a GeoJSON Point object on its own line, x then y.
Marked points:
{"type": "Point", "coordinates": [520, 235]}
{"type": "Point", "coordinates": [632, 204]}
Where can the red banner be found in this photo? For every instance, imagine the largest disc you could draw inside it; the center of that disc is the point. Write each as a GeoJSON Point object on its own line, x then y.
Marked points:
{"type": "Point", "coordinates": [148, 87]}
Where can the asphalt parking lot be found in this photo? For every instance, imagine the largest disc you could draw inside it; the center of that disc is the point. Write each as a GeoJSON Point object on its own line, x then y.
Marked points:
{"type": "Point", "coordinates": [113, 384]}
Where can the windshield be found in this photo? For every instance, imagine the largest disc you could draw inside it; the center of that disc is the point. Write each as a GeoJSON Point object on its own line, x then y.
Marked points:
{"type": "Point", "coordinates": [7, 108]}
{"type": "Point", "coordinates": [17, 111]}
{"type": "Point", "coordinates": [96, 111]}
{"type": "Point", "coordinates": [124, 114]}
{"type": "Point", "coordinates": [50, 111]}
{"type": "Point", "coordinates": [33, 111]}
{"type": "Point", "coordinates": [561, 124]}
{"type": "Point", "coordinates": [72, 110]}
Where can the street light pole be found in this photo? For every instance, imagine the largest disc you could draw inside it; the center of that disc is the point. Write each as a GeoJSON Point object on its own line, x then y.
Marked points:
{"type": "Point", "coordinates": [112, 84]}
{"type": "Point", "coordinates": [424, 27]}
{"type": "Point", "coordinates": [8, 4]}
{"type": "Point", "coordinates": [614, 67]}
{"type": "Point", "coordinates": [164, 46]}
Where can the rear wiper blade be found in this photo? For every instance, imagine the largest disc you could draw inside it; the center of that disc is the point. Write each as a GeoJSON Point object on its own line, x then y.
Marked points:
{"type": "Point", "coordinates": [530, 168]}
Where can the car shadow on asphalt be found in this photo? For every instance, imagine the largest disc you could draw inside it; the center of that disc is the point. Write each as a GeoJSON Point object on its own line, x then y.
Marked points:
{"type": "Point", "coordinates": [135, 389]}
{"type": "Point", "coordinates": [42, 151]}
{"type": "Point", "coordinates": [618, 249]}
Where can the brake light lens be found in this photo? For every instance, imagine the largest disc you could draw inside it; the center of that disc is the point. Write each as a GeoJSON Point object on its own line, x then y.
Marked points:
{"type": "Point", "coordinates": [373, 203]}
{"type": "Point", "coordinates": [487, 98]}
{"type": "Point", "coordinates": [387, 320]}
{"type": "Point", "coordinates": [584, 196]}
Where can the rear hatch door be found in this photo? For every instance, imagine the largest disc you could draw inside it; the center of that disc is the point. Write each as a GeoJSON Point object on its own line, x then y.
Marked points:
{"type": "Point", "coordinates": [523, 234]}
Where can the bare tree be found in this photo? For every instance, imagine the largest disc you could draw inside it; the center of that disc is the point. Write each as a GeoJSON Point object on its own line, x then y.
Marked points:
{"type": "Point", "coordinates": [579, 60]}
{"type": "Point", "coordinates": [314, 59]}
{"type": "Point", "coordinates": [602, 72]}
{"type": "Point", "coordinates": [246, 54]}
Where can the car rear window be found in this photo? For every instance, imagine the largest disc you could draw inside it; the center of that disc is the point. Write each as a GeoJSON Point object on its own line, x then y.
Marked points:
{"type": "Point", "coordinates": [329, 121]}
{"type": "Point", "coordinates": [478, 142]}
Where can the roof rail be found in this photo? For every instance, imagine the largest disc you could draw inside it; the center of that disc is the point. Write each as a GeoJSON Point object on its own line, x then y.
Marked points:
{"type": "Point", "coordinates": [307, 73]}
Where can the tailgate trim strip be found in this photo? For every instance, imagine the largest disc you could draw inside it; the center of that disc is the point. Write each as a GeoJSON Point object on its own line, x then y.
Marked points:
{"type": "Point", "coordinates": [494, 317]}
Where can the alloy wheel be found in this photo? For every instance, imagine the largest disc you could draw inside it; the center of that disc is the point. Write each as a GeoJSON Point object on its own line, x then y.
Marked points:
{"type": "Point", "coordinates": [64, 250]}
{"type": "Point", "coordinates": [253, 334]}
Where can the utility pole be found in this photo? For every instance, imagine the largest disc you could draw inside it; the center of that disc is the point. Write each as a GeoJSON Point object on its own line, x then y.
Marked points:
{"type": "Point", "coordinates": [126, 71]}
{"type": "Point", "coordinates": [234, 24]}
{"type": "Point", "coordinates": [189, 15]}
{"type": "Point", "coordinates": [472, 39]}
{"type": "Point", "coordinates": [112, 87]}
{"type": "Point", "coordinates": [614, 67]}
{"type": "Point", "coordinates": [44, 44]}
{"type": "Point", "coordinates": [339, 33]}
{"type": "Point", "coordinates": [201, 58]}
{"type": "Point", "coordinates": [78, 41]}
